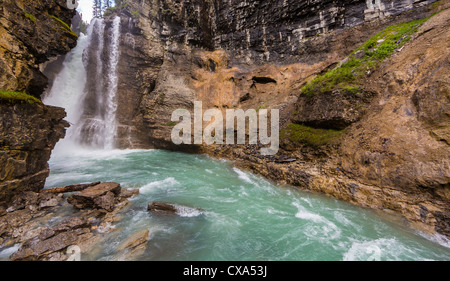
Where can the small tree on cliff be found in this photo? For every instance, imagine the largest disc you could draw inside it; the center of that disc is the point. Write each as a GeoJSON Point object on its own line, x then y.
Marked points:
{"type": "Point", "coordinates": [100, 6]}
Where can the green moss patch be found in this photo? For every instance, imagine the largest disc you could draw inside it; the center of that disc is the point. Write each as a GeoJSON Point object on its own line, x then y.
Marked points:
{"type": "Point", "coordinates": [349, 76]}
{"type": "Point", "coordinates": [18, 97]}
{"type": "Point", "coordinates": [301, 134]}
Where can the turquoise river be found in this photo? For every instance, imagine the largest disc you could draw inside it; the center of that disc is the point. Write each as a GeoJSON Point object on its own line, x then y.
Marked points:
{"type": "Point", "coordinates": [232, 215]}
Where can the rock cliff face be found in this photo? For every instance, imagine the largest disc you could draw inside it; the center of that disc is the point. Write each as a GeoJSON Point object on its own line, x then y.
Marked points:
{"type": "Point", "coordinates": [28, 133]}
{"type": "Point", "coordinates": [30, 34]}
{"type": "Point", "coordinates": [225, 52]}
{"type": "Point", "coordinates": [259, 54]}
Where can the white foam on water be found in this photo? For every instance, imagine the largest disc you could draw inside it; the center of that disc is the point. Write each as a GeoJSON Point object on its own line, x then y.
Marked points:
{"type": "Point", "coordinates": [319, 227]}
{"type": "Point", "coordinates": [341, 218]}
{"type": "Point", "coordinates": [309, 216]}
{"type": "Point", "coordinates": [307, 201]}
{"type": "Point", "coordinates": [157, 229]}
{"type": "Point", "coordinates": [437, 238]}
{"type": "Point", "coordinates": [280, 214]}
{"type": "Point", "coordinates": [243, 176]}
{"type": "Point", "coordinates": [169, 182]}
{"type": "Point", "coordinates": [6, 253]}
{"type": "Point", "coordinates": [188, 212]}
{"type": "Point", "coordinates": [375, 250]}
{"type": "Point", "coordinates": [65, 177]}
{"type": "Point", "coordinates": [79, 153]}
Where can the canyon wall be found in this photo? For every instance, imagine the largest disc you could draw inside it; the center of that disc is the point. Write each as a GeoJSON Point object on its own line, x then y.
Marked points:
{"type": "Point", "coordinates": [392, 155]}
{"type": "Point", "coordinates": [31, 32]}
{"type": "Point", "coordinates": [232, 54]}
{"type": "Point", "coordinates": [259, 54]}
{"type": "Point", "coordinates": [28, 134]}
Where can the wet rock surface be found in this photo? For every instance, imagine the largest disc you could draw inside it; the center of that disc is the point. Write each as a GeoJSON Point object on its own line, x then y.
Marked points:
{"type": "Point", "coordinates": [102, 196]}
{"type": "Point", "coordinates": [45, 225]}
{"type": "Point", "coordinates": [161, 207]}
{"type": "Point", "coordinates": [133, 246]}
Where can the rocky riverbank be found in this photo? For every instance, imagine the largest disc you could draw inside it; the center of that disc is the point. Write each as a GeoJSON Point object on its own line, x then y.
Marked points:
{"type": "Point", "coordinates": [394, 156]}
{"type": "Point", "coordinates": [380, 143]}
{"type": "Point", "coordinates": [46, 224]}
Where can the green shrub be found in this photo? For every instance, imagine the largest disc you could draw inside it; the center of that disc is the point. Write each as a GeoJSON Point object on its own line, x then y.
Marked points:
{"type": "Point", "coordinates": [136, 14]}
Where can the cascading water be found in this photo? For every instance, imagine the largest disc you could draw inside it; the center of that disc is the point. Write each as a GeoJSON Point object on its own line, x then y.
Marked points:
{"type": "Point", "coordinates": [224, 213]}
{"type": "Point", "coordinates": [91, 109]}
{"type": "Point", "coordinates": [68, 89]}
{"type": "Point", "coordinates": [99, 129]}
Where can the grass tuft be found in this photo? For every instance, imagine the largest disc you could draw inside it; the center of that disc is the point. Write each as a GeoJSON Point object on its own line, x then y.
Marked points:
{"type": "Point", "coordinates": [30, 17]}
{"type": "Point", "coordinates": [64, 26]}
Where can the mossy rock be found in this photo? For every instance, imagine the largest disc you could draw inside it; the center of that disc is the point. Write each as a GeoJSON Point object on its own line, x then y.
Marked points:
{"type": "Point", "coordinates": [18, 97]}
{"type": "Point", "coordinates": [350, 74]}
{"type": "Point", "coordinates": [313, 137]}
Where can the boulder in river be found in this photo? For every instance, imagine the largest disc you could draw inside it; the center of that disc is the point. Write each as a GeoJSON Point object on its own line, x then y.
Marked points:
{"type": "Point", "coordinates": [161, 207]}
{"type": "Point", "coordinates": [171, 209]}
{"type": "Point", "coordinates": [101, 196]}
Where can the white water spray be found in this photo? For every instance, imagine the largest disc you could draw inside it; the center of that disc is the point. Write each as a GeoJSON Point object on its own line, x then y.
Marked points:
{"type": "Point", "coordinates": [68, 90]}
{"type": "Point", "coordinates": [70, 87]}
{"type": "Point", "coordinates": [111, 90]}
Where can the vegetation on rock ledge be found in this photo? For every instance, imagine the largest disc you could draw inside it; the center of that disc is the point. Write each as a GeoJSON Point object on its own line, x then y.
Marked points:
{"type": "Point", "coordinates": [64, 26]}
{"type": "Point", "coordinates": [30, 17]}
{"type": "Point", "coordinates": [349, 75]}
{"type": "Point", "coordinates": [310, 136]}
{"type": "Point", "coordinates": [17, 97]}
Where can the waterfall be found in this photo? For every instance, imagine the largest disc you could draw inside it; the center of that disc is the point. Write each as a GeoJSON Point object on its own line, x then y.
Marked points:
{"type": "Point", "coordinates": [87, 86]}
{"type": "Point", "coordinates": [111, 90]}
{"type": "Point", "coordinates": [99, 127]}
{"type": "Point", "coordinates": [68, 90]}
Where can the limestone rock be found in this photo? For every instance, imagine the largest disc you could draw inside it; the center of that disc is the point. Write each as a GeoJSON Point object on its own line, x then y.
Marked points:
{"type": "Point", "coordinates": [28, 133]}
{"type": "Point", "coordinates": [35, 251]}
{"type": "Point", "coordinates": [133, 246]}
{"type": "Point", "coordinates": [100, 196]}
{"type": "Point", "coordinates": [336, 110]}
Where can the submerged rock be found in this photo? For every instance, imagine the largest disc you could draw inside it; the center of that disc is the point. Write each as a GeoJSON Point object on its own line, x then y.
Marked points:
{"type": "Point", "coordinates": [160, 207]}
{"type": "Point", "coordinates": [167, 208]}
{"type": "Point", "coordinates": [133, 246]}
